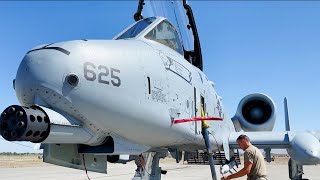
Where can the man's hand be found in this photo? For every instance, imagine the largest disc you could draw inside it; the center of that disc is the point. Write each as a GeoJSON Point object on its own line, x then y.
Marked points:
{"type": "Point", "coordinates": [225, 178]}
{"type": "Point", "coordinates": [244, 171]}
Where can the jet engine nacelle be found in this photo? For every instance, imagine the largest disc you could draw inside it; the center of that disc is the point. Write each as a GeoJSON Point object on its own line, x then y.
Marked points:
{"type": "Point", "coordinates": [256, 112]}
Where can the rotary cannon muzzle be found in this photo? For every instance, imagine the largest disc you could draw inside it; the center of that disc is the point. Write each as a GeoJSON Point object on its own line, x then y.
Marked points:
{"type": "Point", "coordinates": [19, 123]}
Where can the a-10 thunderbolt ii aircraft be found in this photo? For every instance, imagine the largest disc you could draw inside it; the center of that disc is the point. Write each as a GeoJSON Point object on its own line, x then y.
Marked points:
{"type": "Point", "coordinates": [136, 97]}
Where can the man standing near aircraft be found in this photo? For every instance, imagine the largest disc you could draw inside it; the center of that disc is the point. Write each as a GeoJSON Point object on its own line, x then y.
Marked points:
{"type": "Point", "coordinates": [254, 165]}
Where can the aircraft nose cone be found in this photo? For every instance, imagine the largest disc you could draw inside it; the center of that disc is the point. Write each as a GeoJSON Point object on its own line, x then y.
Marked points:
{"type": "Point", "coordinates": [42, 71]}
{"type": "Point", "coordinates": [39, 66]}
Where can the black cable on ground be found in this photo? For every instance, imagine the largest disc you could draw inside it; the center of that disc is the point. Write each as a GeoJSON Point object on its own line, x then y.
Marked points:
{"type": "Point", "coordinates": [85, 168]}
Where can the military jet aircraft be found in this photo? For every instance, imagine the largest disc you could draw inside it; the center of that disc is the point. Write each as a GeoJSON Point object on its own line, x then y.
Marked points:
{"type": "Point", "coordinates": [134, 98]}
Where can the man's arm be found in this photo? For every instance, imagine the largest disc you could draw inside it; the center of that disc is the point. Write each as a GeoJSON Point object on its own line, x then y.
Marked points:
{"type": "Point", "coordinates": [244, 171]}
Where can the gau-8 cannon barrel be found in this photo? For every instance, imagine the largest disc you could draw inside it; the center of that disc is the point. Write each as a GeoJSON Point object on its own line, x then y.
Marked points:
{"type": "Point", "coordinates": [39, 124]}
{"type": "Point", "coordinates": [19, 123]}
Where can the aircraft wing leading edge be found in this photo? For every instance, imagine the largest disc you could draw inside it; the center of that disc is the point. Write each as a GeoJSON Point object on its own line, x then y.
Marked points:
{"type": "Point", "coordinates": [303, 147]}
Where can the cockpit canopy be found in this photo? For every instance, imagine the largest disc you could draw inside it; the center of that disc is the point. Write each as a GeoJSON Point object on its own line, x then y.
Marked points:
{"type": "Point", "coordinates": [156, 29]}
{"type": "Point", "coordinates": [135, 29]}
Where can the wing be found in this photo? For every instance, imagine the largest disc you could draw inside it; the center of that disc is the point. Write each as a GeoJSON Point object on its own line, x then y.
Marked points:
{"type": "Point", "coordinates": [303, 147]}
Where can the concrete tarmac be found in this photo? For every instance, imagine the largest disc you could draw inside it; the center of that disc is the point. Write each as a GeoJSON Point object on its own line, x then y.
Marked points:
{"type": "Point", "coordinates": [126, 172]}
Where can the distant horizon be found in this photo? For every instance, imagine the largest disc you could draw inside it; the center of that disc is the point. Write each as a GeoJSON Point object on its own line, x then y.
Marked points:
{"type": "Point", "coordinates": [15, 153]}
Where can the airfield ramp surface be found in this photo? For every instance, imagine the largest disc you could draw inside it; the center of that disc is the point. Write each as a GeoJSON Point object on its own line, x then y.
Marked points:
{"type": "Point", "coordinates": [276, 171]}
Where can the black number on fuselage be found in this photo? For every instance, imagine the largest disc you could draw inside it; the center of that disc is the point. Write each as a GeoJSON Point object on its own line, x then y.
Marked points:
{"type": "Point", "coordinates": [103, 74]}
{"type": "Point", "coordinates": [89, 70]}
{"type": "Point", "coordinates": [115, 77]}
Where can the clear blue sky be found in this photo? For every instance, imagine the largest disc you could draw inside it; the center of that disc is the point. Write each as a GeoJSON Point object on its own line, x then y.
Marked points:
{"type": "Point", "coordinates": [270, 47]}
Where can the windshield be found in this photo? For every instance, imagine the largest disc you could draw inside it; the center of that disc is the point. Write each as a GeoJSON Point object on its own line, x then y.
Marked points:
{"type": "Point", "coordinates": [137, 28]}
{"type": "Point", "coordinates": [166, 34]}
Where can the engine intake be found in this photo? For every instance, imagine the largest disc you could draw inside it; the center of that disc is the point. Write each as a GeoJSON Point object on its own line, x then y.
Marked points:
{"type": "Point", "coordinates": [256, 112]}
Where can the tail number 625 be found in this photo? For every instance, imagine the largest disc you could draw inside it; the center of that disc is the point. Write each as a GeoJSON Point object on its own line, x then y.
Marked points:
{"type": "Point", "coordinates": [90, 70]}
